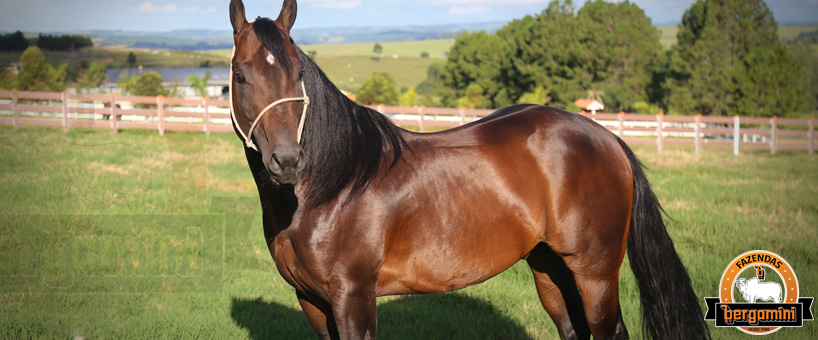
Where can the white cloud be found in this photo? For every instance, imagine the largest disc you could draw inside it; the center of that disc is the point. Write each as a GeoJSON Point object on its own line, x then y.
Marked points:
{"type": "Point", "coordinates": [149, 7]}
{"type": "Point", "coordinates": [210, 10]}
{"type": "Point", "coordinates": [334, 4]}
{"type": "Point", "coordinates": [468, 10]}
{"type": "Point", "coordinates": [191, 10]}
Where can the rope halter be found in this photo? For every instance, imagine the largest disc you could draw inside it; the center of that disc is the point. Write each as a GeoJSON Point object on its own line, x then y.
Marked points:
{"type": "Point", "coordinates": [248, 141]}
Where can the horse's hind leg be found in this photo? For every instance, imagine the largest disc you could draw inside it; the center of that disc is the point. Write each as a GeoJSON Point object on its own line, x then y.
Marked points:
{"type": "Point", "coordinates": [600, 296]}
{"type": "Point", "coordinates": [558, 293]}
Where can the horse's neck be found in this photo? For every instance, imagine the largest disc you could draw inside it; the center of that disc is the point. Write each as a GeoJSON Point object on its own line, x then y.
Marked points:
{"type": "Point", "coordinates": [278, 203]}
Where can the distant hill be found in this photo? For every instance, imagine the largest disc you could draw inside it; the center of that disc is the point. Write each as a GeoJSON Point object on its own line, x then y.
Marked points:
{"type": "Point", "coordinates": [200, 39]}
{"type": "Point", "coordinates": [372, 34]}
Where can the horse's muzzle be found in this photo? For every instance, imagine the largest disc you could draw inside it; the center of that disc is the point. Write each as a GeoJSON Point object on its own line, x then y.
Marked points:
{"type": "Point", "coordinates": [285, 163]}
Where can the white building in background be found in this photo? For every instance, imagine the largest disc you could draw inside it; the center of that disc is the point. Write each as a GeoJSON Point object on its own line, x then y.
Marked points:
{"type": "Point", "coordinates": [176, 78]}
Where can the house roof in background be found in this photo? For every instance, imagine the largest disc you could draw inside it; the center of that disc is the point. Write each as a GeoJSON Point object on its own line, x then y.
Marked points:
{"type": "Point", "coordinates": [589, 104]}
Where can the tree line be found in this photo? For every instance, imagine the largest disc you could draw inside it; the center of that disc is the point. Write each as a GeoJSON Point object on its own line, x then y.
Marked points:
{"type": "Point", "coordinates": [17, 42]}
{"type": "Point", "coordinates": [728, 60]}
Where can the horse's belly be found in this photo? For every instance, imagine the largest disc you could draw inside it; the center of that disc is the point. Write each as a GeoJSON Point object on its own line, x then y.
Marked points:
{"type": "Point", "coordinates": [455, 261]}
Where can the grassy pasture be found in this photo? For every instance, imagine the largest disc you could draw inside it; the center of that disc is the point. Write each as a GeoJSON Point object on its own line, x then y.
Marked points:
{"type": "Point", "coordinates": [668, 37]}
{"type": "Point", "coordinates": [791, 32]}
{"type": "Point", "coordinates": [140, 236]}
{"type": "Point", "coordinates": [350, 65]}
{"type": "Point", "coordinates": [437, 48]}
{"type": "Point", "coordinates": [116, 56]}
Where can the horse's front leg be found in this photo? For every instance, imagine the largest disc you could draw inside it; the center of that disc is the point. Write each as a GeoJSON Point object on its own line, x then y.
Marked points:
{"type": "Point", "coordinates": [353, 306]}
{"type": "Point", "coordinates": [320, 315]}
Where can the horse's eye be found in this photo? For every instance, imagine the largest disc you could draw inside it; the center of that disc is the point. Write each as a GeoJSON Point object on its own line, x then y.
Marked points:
{"type": "Point", "coordinates": [239, 77]}
{"type": "Point", "coordinates": [301, 75]}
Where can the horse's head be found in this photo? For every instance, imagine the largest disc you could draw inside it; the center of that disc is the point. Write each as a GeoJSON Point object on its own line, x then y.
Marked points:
{"type": "Point", "coordinates": [266, 90]}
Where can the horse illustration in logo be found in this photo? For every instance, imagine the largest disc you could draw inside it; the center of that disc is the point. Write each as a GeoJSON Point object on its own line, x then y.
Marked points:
{"type": "Point", "coordinates": [753, 289]}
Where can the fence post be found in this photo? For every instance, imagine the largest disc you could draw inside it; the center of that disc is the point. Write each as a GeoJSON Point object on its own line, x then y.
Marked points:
{"type": "Point", "coordinates": [811, 136]}
{"type": "Point", "coordinates": [736, 127]}
{"type": "Point", "coordinates": [772, 135]}
{"type": "Point", "coordinates": [622, 124]}
{"type": "Point", "coordinates": [697, 139]}
{"type": "Point", "coordinates": [64, 112]}
{"type": "Point", "coordinates": [382, 108]}
{"type": "Point", "coordinates": [659, 129]}
{"type": "Point", "coordinates": [112, 108]}
{"type": "Point", "coordinates": [14, 108]}
{"type": "Point", "coordinates": [160, 106]}
{"type": "Point", "coordinates": [462, 115]}
{"type": "Point", "coordinates": [420, 112]}
{"type": "Point", "coordinates": [206, 115]}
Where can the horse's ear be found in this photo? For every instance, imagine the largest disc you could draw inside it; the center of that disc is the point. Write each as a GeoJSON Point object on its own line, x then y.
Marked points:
{"type": "Point", "coordinates": [287, 16]}
{"type": "Point", "coordinates": [237, 18]}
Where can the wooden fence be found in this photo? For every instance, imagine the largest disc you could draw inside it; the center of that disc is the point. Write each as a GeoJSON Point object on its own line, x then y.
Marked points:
{"type": "Point", "coordinates": [208, 115]}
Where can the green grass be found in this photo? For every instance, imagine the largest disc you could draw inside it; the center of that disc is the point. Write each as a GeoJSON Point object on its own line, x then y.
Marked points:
{"type": "Point", "coordinates": [116, 56]}
{"type": "Point", "coordinates": [139, 236]}
{"type": "Point", "coordinates": [437, 48]}
{"type": "Point", "coordinates": [790, 32]}
{"type": "Point", "coordinates": [668, 37]}
{"type": "Point", "coordinates": [350, 65]}
{"type": "Point", "coordinates": [349, 73]}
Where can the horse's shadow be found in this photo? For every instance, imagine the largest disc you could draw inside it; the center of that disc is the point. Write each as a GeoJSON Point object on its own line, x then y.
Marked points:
{"type": "Point", "coordinates": [446, 316]}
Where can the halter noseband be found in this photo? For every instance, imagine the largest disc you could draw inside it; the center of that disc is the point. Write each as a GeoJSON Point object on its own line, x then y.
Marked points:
{"type": "Point", "coordinates": [248, 141]}
{"type": "Point", "coordinates": [247, 138]}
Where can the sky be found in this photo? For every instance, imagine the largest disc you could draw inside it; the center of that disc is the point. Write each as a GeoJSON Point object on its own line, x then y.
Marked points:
{"type": "Point", "coordinates": [166, 15]}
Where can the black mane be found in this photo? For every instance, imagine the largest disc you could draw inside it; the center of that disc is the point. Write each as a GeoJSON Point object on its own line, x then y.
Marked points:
{"type": "Point", "coordinates": [345, 143]}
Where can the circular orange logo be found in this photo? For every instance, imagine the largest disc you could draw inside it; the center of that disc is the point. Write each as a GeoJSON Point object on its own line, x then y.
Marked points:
{"type": "Point", "coordinates": [758, 276]}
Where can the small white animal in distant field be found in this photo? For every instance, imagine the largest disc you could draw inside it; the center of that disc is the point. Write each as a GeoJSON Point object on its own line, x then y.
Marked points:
{"type": "Point", "coordinates": [753, 290]}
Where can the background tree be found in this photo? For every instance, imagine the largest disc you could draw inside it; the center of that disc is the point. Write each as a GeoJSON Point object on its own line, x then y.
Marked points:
{"type": "Point", "coordinates": [380, 88]}
{"type": "Point", "coordinates": [149, 84]}
{"type": "Point", "coordinates": [63, 42]}
{"type": "Point", "coordinates": [199, 85]}
{"type": "Point", "coordinates": [377, 49]}
{"type": "Point", "coordinates": [8, 80]}
{"type": "Point", "coordinates": [13, 42]}
{"type": "Point", "coordinates": [539, 96]}
{"type": "Point", "coordinates": [559, 54]}
{"type": "Point", "coordinates": [808, 79]}
{"type": "Point", "coordinates": [131, 59]}
{"type": "Point", "coordinates": [475, 58]}
{"type": "Point", "coordinates": [126, 83]}
{"type": "Point", "coordinates": [764, 85]}
{"type": "Point", "coordinates": [92, 77]}
{"type": "Point", "coordinates": [36, 74]}
{"type": "Point", "coordinates": [474, 98]}
{"type": "Point", "coordinates": [708, 73]}
{"type": "Point", "coordinates": [547, 51]}
{"type": "Point", "coordinates": [625, 50]}
{"type": "Point", "coordinates": [409, 98]}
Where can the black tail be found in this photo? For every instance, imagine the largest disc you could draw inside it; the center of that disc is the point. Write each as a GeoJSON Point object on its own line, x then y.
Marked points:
{"type": "Point", "coordinates": [670, 308]}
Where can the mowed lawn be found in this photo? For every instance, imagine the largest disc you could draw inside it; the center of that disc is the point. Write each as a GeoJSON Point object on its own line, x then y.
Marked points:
{"type": "Point", "coordinates": [137, 236]}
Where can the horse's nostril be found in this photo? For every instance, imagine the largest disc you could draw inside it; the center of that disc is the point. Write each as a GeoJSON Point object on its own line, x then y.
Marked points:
{"type": "Point", "coordinates": [277, 161]}
{"type": "Point", "coordinates": [286, 160]}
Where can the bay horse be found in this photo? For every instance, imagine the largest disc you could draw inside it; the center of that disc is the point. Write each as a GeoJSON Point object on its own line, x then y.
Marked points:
{"type": "Point", "coordinates": [355, 207]}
